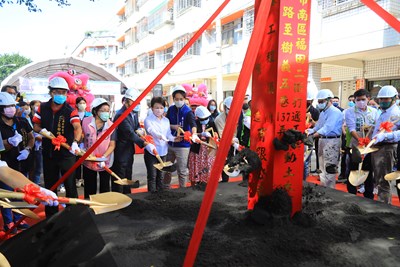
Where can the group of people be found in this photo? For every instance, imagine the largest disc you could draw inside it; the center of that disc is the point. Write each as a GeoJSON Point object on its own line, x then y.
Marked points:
{"type": "Point", "coordinates": [362, 121]}
{"type": "Point", "coordinates": [49, 137]}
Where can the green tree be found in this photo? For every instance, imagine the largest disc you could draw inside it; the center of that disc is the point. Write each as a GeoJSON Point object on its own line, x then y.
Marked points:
{"type": "Point", "coordinates": [32, 7]}
{"type": "Point", "coordinates": [10, 62]}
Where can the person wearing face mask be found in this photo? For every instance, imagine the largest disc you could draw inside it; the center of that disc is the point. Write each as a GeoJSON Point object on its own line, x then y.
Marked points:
{"type": "Point", "coordinates": [200, 161]}
{"type": "Point", "coordinates": [336, 103]}
{"type": "Point", "coordinates": [158, 127]}
{"type": "Point", "coordinates": [359, 121]}
{"type": "Point", "coordinates": [383, 160]}
{"type": "Point", "coordinates": [351, 101]}
{"type": "Point", "coordinates": [312, 116]}
{"type": "Point", "coordinates": [37, 150]}
{"type": "Point", "coordinates": [59, 118]}
{"type": "Point", "coordinates": [125, 146]}
{"type": "Point", "coordinates": [212, 107]}
{"type": "Point", "coordinates": [12, 90]}
{"type": "Point", "coordinates": [220, 122]}
{"type": "Point", "coordinates": [18, 140]}
{"type": "Point", "coordinates": [93, 128]}
{"type": "Point", "coordinates": [180, 116]}
{"type": "Point", "coordinates": [329, 130]}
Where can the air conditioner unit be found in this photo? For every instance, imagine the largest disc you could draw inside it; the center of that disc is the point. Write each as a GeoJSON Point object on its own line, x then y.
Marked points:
{"type": "Point", "coordinates": [170, 22]}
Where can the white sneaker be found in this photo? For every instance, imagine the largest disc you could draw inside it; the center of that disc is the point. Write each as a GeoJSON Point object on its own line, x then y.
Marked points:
{"type": "Point", "coordinates": [375, 190]}
{"type": "Point", "coordinates": [79, 183]}
{"type": "Point", "coordinates": [361, 189]}
{"type": "Point", "coordinates": [62, 189]}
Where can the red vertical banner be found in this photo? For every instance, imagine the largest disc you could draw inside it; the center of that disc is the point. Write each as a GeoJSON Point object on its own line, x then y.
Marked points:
{"type": "Point", "coordinates": [279, 99]}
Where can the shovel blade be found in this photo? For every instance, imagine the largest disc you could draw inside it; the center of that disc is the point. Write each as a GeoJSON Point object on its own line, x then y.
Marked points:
{"type": "Point", "coordinates": [392, 176]}
{"type": "Point", "coordinates": [124, 182]}
{"type": "Point", "coordinates": [233, 173]}
{"type": "Point", "coordinates": [117, 200]}
{"type": "Point", "coordinates": [358, 177]}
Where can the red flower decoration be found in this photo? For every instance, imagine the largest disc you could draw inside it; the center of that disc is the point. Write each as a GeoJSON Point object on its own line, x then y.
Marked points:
{"type": "Point", "coordinates": [32, 193]}
{"type": "Point", "coordinates": [387, 126]}
{"type": "Point", "coordinates": [363, 141]}
{"type": "Point", "coordinates": [57, 141]}
{"type": "Point", "coordinates": [149, 139]}
{"type": "Point", "coordinates": [187, 136]}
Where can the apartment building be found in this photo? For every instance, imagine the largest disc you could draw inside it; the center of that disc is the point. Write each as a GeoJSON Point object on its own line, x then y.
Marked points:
{"type": "Point", "coordinates": [150, 34]}
{"type": "Point", "coordinates": [351, 47]}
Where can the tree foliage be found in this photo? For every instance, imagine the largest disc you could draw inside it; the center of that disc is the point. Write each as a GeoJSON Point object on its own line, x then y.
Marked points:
{"type": "Point", "coordinates": [30, 4]}
{"type": "Point", "coordinates": [11, 62]}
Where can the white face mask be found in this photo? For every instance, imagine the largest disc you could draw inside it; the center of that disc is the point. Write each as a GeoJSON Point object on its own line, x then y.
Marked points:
{"type": "Point", "coordinates": [158, 112]}
{"type": "Point", "coordinates": [321, 106]}
{"type": "Point", "coordinates": [179, 104]}
{"type": "Point", "coordinates": [361, 104]}
{"type": "Point", "coordinates": [36, 108]}
{"type": "Point", "coordinates": [81, 107]}
{"type": "Point", "coordinates": [27, 111]}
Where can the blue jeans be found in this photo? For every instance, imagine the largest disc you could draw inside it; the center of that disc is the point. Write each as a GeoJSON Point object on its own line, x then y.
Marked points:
{"type": "Point", "coordinates": [38, 166]}
{"type": "Point", "coordinates": [7, 213]}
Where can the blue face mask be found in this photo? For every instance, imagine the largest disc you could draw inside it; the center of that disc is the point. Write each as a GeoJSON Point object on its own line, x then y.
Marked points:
{"type": "Point", "coordinates": [212, 108]}
{"type": "Point", "coordinates": [165, 110]}
{"type": "Point", "coordinates": [204, 122]}
{"type": "Point", "coordinates": [335, 104]}
{"type": "Point", "coordinates": [104, 116]}
{"type": "Point", "coordinates": [351, 104]}
{"type": "Point", "coordinates": [137, 108]}
{"type": "Point", "coordinates": [59, 99]}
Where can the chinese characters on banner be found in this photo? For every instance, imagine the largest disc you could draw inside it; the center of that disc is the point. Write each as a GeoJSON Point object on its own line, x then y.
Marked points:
{"type": "Point", "coordinates": [279, 99]}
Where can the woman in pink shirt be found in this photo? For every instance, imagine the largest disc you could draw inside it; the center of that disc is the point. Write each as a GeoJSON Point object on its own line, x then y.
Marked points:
{"type": "Point", "coordinates": [93, 128]}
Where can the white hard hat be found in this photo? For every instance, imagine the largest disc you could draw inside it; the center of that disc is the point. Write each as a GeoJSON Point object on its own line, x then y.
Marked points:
{"type": "Point", "coordinates": [387, 91]}
{"type": "Point", "coordinates": [312, 89]}
{"type": "Point", "coordinates": [228, 101]}
{"type": "Point", "coordinates": [58, 83]}
{"type": "Point", "coordinates": [98, 102]}
{"type": "Point", "coordinates": [310, 95]}
{"type": "Point", "coordinates": [6, 99]}
{"type": "Point", "coordinates": [132, 94]}
{"type": "Point", "coordinates": [324, 94]}
{"type": "Point", "coordinates": [202, 112]}
{"type": "Point", "coordinates": [178, 88]}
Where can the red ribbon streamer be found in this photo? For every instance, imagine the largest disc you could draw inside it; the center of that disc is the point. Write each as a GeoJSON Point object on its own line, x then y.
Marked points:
{"type": "Point", "coordinates": [386, 16]}
{"type": "Point", "coordinates": [187, 136]}
{"type": "Point", "coordinates": [32, 193]}
{"type": "Point", "coordinates": [387, 126]}
{"type": "Point", "coordinates": [363, 141]}
{"type": "Point", "coordinates": [57, 141]}
{"type": "Point", "coordinates": [149, 139]}
{"type": "Point", "coordinates": [230, 126]}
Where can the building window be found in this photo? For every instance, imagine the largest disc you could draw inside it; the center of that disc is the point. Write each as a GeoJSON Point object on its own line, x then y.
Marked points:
{"type": "Point", "coordinates": [248, 21]}
{"type": "Point", "coordinates": [159, 16]}
{"type": "Point", "coordinates": [140, 3]}
{"type": "Point", "coordinates": [165, 56]}
{"type": "Point", "coordinates": [195, 49]}
{"type": "Point", "coordinates": [182, 5]}
{"type": "Point", "coordinates": [129, 67]}
{"type": "Point", "coordinates": [143, 63]}
{"type": "Point", "coordinates": [325, 4]}
{"type": "Point", "coordinates": [375, 86]}
{"type": "Point", "coordinates": [142, 29]}
{"type": "Point", "coordinates": [232, 32]}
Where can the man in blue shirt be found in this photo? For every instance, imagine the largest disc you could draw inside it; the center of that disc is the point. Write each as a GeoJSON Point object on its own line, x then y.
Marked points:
{"type": "Point", "coordinates": [329, 130]}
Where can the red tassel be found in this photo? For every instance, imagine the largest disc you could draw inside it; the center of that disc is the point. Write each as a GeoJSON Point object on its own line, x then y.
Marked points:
{"type": "Point", "coordinates": [387, 126]}
{"type": "Point", "coordinates": [363, 141]}
{"type": "Point", "coordinates": [32, 193]}
{"type": "Point", "coordinates": [57, 141]}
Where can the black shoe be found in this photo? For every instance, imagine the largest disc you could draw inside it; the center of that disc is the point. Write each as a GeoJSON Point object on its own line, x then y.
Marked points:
{"type": "Point", "coordinates": [136, 184]}
{"type": "Point", "coordinates": [245, 183]}
{"type": "Point", "coordinates": [342, 180]}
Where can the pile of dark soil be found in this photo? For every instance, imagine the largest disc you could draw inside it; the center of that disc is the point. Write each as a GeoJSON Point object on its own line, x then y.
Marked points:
{"type": "Point", "coordinates": [333, 229]}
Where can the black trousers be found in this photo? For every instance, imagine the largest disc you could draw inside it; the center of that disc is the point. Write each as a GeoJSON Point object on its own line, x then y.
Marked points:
{"type": "Point", "coordinates": [369, 183]}
{"type": "Point", "coordinates": [122, 166]}
{"type": "Point", "coordinates": [154, 176]}
{"type": "Point", "coordinates": [90, 178]}
{"type": "Point", "coordinates": [53, 169]}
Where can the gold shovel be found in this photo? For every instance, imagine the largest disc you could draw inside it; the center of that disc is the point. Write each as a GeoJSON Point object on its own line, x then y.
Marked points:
{"type": "Point", "coordinates": [20, 208]}
{"type": "Point", "coordinates": [119, 180]}
{"type": "Point", "coordinates": [100, 203]}
{"type": "Point", "coordinates": [392, 176]}
{"type": "Point", "coordinates": [163, 166]}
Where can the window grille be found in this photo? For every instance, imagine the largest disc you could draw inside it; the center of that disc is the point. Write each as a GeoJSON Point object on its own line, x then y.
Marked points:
{"type": "Point", "coordinates": [182, 5]}
{"type": "Point", "coordinates": [195, 49]}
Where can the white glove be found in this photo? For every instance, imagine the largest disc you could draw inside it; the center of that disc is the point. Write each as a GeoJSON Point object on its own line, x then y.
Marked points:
{"type": "Point", "coordinates": [236, 146]}
{"type": "Point", "coordinates": [310, 131]}
{"type": "Point", "coordinates": [206, 134]}
{"type": "Point", "coordinates": [235, 140]}
{"type": "Point", "coordinates": [379, 137]}
{"type": "Point", "coordinates": [44, 132]}
{"type": "Point", "coordinates": [53, 197]}
{"type": "Point", "coordinates": [23, 155]}
{"type": "Point", "coordinates": [102, 164]}
{"type": "Point", "coordinates": [74, 148]}
{"type": "Point", "coordinates": [150, 148]}
{"type": "Point", "coordinates": [15, 140]}
{"type": "Point", "coordinates": [140, 132]}
{"type": "Point", "coordinates": [195, 138]}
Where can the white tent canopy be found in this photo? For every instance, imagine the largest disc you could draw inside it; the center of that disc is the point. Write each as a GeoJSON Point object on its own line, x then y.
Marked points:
{"type": "Point", "coordinates": [45, 69]}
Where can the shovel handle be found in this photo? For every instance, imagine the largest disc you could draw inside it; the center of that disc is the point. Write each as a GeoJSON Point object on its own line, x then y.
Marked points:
{"type": "Point", "coordinates": [74, 201]}
{"type": "Point", "coordinates": [374, 139]}
{"type": "Point", "coordinates": [11, 194]}
{"type": "Point", "coordinates": [112, 173]}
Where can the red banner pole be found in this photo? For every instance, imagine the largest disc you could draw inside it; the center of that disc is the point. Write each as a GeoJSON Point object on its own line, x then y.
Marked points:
{"type": "Point", "coordinates": [386, 16]}
{"type": "Point", "coordinates": [143, 94]}
{"type": "Point", "coordinates": [279, 100]}
{"type": "Point", "coordinates": [226, 141]}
